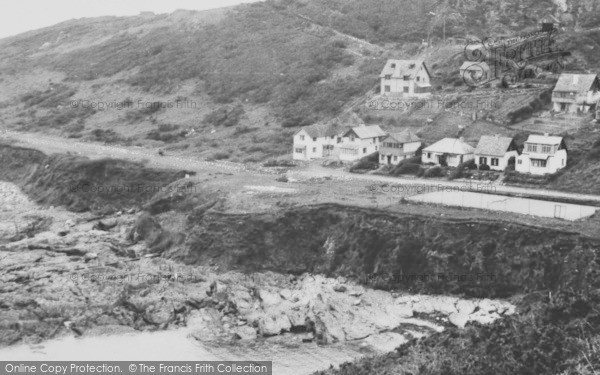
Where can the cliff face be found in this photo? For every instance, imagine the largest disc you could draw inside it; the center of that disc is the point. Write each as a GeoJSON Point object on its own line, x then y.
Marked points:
{"type": "Point", "coordinates": [389, 251]}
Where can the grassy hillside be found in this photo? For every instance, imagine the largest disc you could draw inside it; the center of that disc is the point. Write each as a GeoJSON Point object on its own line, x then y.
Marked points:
{"type": "Point", "coordinates": [233, 78]}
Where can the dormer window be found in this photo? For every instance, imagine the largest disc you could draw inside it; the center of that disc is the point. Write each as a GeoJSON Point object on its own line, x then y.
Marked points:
{"type": "Point", "coordinates": [393, 66]}
{"type": "Point", "coordinates": [388, 76]}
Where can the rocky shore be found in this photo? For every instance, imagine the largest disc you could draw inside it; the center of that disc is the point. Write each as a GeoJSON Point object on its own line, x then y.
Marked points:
{"type": "Point", "coordinates": [82, 275]}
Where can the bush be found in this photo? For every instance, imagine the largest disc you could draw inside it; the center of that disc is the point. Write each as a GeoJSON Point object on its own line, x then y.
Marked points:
{"type": "Point", "coordinates": [226, 116]}
{"type": "Point", "coordinates": [484, 167]}
{"type": "Point", "coordinates": [405, 168]}
{"type": "Point", "coordinates": [433, 172]}
{"type": "Point", "coordinates": [368, 162]}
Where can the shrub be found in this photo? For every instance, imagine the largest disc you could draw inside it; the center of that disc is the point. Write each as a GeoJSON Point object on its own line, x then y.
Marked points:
{"type": "Point", "coordinates": [226, 116]}
{"type": "Point", "coordinates": [433, 172]}
{"type": "Point", "coordinates": [405, 168]}
{"type": "Point", "coordinates": [469, 164]}
{"type": "Point", "coordinates": [368, 162]}
{"type": "Point", "coordinates": [484, 167]}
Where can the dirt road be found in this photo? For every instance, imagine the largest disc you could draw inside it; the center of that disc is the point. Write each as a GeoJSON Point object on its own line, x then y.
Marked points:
{"type": "Point", "coordinates": [52, 144]}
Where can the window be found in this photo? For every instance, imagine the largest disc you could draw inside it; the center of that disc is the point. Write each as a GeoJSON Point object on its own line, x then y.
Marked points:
{"type": "Point", "coordinates": [494, 162]}
{"type": "Point", "coordinates": [395, 158]}
{"type": "Point", "coordinates": [314, 139]}
{"type": "Point", "coordinates": [382, 158]}
{"type": "Point", "coordinates": [520, 162]}
{"type": "Point", "coordinates": [418, 79]}
{"type": "Point", "coordinates": [482, 160]}
{"type": "Point", "coordinates": [314, 149]}
{"type": "Point", "coordinates": [406, 89]}
{"type": "Point", "coordinates": [406, 77]}
{"type": "Point", "coordinates": [351, 139]}
{"type": "Point", "coordinates": [429, 155]}
{"type": "Point", "coordinates": [301, 137]}
{"type": "Point", "coordinates": [364, 150]}
{"type": "Point", "coordinates": [411, 66]}
{"type": "Point", "coordinates": [388, 76]}
{"type": "Point", "coordinates": [563, 162]}
{"type": "Point", "coordinates": [531, 147]}
{"type": "Point", "coordinates": [339, 140]}
{"type": "Point", "coordinates": [546, 149]}
{"type": "Point", "coordinates": [538, 163]}
{"type": "Point", "coordinates": [387, 88]}
{"type": "Point", "coordinates": [299, 150]}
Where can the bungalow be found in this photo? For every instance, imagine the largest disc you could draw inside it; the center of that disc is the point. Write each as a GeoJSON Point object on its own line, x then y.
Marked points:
{"type": "Point", "coordinates": [495, 151]}
{"type": "Point", "coordinates": [409, 78]}
{"type": "Point", "coordinates": [542, 154]}
{"type": "Point", "coordinates": [316, 141]}
{"type": "Point", "coordinates": [360, 141]}
{"type": "Point", "coordinates": [575, 92]}
{"type": "Point", "coordinates": [398, 146]}
{"type": "Point", "coordinates": [451, 151]}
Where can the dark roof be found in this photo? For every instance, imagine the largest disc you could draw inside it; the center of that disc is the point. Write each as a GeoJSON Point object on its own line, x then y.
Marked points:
{"type": "Point", "coordinates": [403, 68]}
{"type": "Point", "coordinates": [370, 131]}
{"type": "Point", "coordinates": [321, 130]}
{"type": "Point", "coordinates": [405, 136]}
{"type": "Point", "coordinates": [580, 83]}
{"type": "Point", "coordinates": [493, 145]}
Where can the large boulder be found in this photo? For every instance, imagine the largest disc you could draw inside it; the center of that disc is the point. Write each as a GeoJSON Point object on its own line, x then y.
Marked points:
{"type": "Point", "coordinates": [269, 299]}
{"type": "Point", "coordinates": [459, 319]}
{"type": "Point", "coordinates": [273, 325]}
{"type": "Point", "coordinates": [465, 306]}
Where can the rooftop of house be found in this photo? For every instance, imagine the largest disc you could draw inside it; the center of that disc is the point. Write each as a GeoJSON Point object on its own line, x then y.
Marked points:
{"type": "Point", "coordinates": [544, 139]}
{"type": "Point", "coordinates": [370, 131]}
{"type": "Point", "coordinates": [405, 136]}
{"type": "Point", "coordinates": [322, 130]}
{"type": "Point", "coordinates": [493, 145]}
{"type": "Point", "coordinates": [575, 82]}
{"type": "Point", "coordinates": [401, 68]}
{"type": "Point", "coordinates": [450, 146]}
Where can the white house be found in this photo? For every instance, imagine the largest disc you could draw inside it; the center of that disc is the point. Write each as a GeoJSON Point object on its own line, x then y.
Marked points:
{"type": "Point", "coordinates": [316, 141]}
{"type": "Point", "coordinates": [409, 78]}
{"type": "Point", "coordinates": [495, 151]}
{"type": "Point", "coordinates": [575, 92]}
{"type": "Point", "coordinates": [360, 141]}
{"type": "Point", "coordinates": [398, 146]}
{"type": "Point", "coordinates": [454, 151]}
{"type": "Point", "coordinates": [542, 154]}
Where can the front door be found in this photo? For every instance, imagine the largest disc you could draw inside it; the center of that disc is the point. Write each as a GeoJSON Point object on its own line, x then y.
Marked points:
{"type": "Point", "coordinates": [389, 159]}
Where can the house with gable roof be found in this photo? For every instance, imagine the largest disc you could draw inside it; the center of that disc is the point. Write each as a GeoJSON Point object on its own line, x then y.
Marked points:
{"type": "Point", "coordinates": [316, 141]}
{"type": "Point", "coordinates": [495, 151]}
{"type": "Point", "coordinates": [542, 154]}
{"type": "Point", "coordinates": [452, 151]}
{"type": "Point", "coordinates": [398, 146]}
{"type": "Point", "coordinates": [575, 92]}
{"type": "Point", "coordinates": [360, 141]}
{"type": "Point", "coordinates": [408, 78]}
